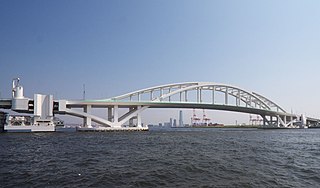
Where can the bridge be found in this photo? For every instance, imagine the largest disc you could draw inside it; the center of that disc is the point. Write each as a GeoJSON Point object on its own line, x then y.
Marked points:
{"type": "Point", "coordinates": [190, 95]}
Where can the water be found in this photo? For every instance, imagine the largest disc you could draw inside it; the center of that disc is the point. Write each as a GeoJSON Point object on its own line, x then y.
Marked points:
{"type": "Point", "coordinates": [162, 158]}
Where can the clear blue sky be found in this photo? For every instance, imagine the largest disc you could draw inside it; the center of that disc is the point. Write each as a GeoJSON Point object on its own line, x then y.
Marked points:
{"type": "Point", "coordinates": [113, 47]}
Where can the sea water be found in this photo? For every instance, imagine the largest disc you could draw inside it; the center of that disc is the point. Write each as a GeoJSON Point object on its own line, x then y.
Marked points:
{"type": "Point", "coordinates": [180, 157]}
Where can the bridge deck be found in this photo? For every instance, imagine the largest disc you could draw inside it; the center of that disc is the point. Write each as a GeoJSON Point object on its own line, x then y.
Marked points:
{"type": "Point", "coordinates": [173, 104]}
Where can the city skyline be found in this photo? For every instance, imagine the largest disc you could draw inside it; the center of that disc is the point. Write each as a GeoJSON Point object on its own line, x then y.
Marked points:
{"type": "Point", "coordinates": [113, 47]}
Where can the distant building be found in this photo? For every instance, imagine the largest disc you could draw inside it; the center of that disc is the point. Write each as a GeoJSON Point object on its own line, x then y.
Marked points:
{"type": "Point", "coordinates": [174, 123]}
{"type": "Point", "coordinates": [166, 124]}
{"type": "Point", "coordinates": [180, 119]}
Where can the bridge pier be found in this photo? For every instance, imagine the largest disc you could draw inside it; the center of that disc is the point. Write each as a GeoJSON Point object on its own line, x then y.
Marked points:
{"type": "Point", "coordinates": [109, 115]}
{"type": "Point", "coordinates": [116, 120]}
{"type": "Point", "coordinates": [270, 121]}
{"type": "Point", "coordinates": [116, 116]}
{"type": "Point", "coordinates": [139, 117]}
{"type": "Point", "coordinates": [280, 121]}
{"type": "Point", "coordinates": [87, 120]}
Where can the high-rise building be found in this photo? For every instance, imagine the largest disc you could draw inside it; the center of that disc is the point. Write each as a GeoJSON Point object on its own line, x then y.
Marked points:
{"type": "Point", "coordinates": [180, 119]}
{"type": "Point", "coordinates": [174, 123]}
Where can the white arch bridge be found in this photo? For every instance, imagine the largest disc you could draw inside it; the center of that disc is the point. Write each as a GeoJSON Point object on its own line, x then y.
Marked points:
{"type": "Point", "coordinates": [192, 95]}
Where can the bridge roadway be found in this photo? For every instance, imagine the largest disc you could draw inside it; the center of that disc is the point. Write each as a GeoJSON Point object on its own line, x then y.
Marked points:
{"type": "Point", "coordinates": [286, 117]}
{"type": "Point", "coordinates": [172, 104]}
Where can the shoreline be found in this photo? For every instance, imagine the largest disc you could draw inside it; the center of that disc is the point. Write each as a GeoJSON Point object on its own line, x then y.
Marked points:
{"type": "Point", "coordinates": [226, 126]}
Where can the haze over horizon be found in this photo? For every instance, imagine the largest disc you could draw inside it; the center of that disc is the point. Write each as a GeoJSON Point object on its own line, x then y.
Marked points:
{"type": "Point", "coordinates": [115, 47]}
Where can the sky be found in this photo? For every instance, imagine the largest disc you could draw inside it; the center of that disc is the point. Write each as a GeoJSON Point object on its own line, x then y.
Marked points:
{"type": "Point", "coordinates": [113, 47]}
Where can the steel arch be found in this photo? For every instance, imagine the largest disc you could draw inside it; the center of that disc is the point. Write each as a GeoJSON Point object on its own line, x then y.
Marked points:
{"type": "Point", "coordinates": [165, 92]}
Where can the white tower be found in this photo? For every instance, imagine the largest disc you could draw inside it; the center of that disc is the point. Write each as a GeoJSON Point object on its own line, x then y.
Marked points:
{"type": "Point", "coordinates": [180, 119]}
{"type": "Point", "coordinates": [19, 102]}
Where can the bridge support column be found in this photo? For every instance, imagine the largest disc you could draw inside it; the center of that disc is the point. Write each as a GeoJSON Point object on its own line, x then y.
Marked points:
{"type": "Point", "coordinates": [110, 114]}
{"type": "Point", "coordinates": [266, 122]}
{"type": "Point", "coordinates": [87, 120]}
{"type": "Point", "coordinates": [116, 116]}
{"type": "Point", "coordinates": [271, 121]}
{"type": "Point", "coordinates": [139, 118]}
{"type": "Point", "coordinates": [285, 120]}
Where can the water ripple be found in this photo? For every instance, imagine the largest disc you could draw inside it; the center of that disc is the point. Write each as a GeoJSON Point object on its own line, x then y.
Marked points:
{"type": "Point", "coordinates": [179, 158]}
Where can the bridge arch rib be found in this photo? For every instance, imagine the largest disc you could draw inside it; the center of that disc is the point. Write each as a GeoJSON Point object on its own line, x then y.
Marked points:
{"type": "Point", "coordinates": [166, 92]}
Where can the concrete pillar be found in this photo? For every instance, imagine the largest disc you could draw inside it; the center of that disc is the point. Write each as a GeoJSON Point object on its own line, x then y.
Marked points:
{"type": "Point", "coordinates": [285, 120]}
{"type": "Point", "coordinates": [116, 116]}
{"type": "Point", "coordinates": [110, 114]}
{"type": "Point", "coordinates": [271, 121]}
{"type": "Point", "coordinates": [87, 120]}
{"type": "Point", "coordinates": [139, 118]}
{"type": "Point", "coordinates": [116, 113]}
